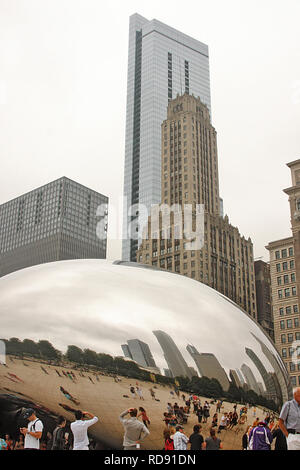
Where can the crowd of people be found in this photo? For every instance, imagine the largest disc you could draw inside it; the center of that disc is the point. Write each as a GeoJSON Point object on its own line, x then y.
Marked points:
{"type": "Point", "coordinates": [208, 419]}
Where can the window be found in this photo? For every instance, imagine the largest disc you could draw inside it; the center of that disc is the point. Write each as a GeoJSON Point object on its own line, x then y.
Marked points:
{"type": "Point", "coordinates": [279, 281]}
{"type": "Point", "coordinates": [287, 292]}
{"type": "Point", "coordinates": [277, 254]}
{"type": "Point", "coordinates": [281, 311]}
{"type": "Point", "coordinates": [286, 279]}
{"type": "Point", "coordinates": [284, 253]}
{"type": "Point", "coordinates": [292, 367]}
{"type": "Point", "coordinates": [283, 339]}
{"type": "Point", "coordinates": [295, 308]}
{"type": "Point", "coordinates": [294, 292]}
{"type": "Point", "coordinates": [291, 251]}
{"type": "Point", "coordinates": [284, 266]}
{"type": "Point", "coordinates": [282, 325]}
{"type": "Point", "coordinates": [296, 322]}
{"type": "Point", "coordinates": [293, 381]}
{"type": "Point", "coordinates": [297, 336]}
{"type": "Point", "coordinates": [278, 268]}
{"type": "Point", "coordinates": [290, 337]}
{"type": "Point", "coordinates": [280, 294]}
{"type": "Point", "coordinates": [293, 277]}
{"type": "Point", "coordinates": [292, 264]}
{"type": "Point", "coordinates": [284, 352]}
{"type": "Point", "coordinates": [288, 310]}
{"type": "Point", "coordinates": [289, 324]}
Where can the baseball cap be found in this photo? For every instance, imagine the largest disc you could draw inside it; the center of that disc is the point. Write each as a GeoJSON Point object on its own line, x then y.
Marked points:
{"type": "Point", "coordinates": [28, 412]}
{"type": "Point", "coordinates": [179, 427]}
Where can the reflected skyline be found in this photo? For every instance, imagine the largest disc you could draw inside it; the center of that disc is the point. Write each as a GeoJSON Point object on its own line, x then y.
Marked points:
{"type": "Point", "coordinates": [159, 319]}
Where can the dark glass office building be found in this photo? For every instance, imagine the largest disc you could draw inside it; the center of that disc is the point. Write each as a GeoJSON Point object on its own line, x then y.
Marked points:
{"type": "Point", "coordinates": [59, 221]}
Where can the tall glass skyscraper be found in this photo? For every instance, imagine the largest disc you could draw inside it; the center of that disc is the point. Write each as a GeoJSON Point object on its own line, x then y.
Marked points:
{"type": "Point", "coordinates": [162, 62]}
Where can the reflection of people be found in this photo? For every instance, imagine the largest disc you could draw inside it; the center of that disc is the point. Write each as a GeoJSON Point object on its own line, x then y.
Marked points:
{"type": "Point", "coordinates": [180, 439]}
{"type": "Point", "coordinates": [289, 421]}
{"type": "Point", "coordinates": [196, 439]}
{"type": "Point", "coordinates": [69, 396]}
{"type": "Point", "coordinates": [144, 416]}
{"type": "Point", "coordinates": [19, 445]}
{"type": "Point", "coordinates": [79, 429]}
{"type": "Point", "coordinates": [33, 432]}
{"type": "Point", "coordinates": [135, 431]}
{"type": "Point", "coordinates": [212, 442]}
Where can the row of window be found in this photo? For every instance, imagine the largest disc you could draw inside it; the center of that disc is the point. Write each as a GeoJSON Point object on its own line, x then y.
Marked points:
{"type": "Point", "coordinates": [294, 367]}
{"type": "Point", "coordinates": [287, 292]}
{"type": "Point", "coordinates": [294, 381]}
{"type": "Point", "coordinates": [287, 352]}
{"type": "Point", "coordinates": [290, 337]}
{"type": "Point", "coordinates": [289, 323]}
{"type": "Point", "coordinates": [286, 279]}
{"type": "Point", "coordinates": [285, 266]}
{"type": "Point", "coordinates": [288, 310]}
{"type": "Point", "coordinates": [284, 253]}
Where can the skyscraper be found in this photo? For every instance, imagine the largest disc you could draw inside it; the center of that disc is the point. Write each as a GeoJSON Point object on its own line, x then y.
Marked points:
{"type": "Point", "coordinates": [162, 62]}
{"type": "Point", "coordinates": [57, 221]}
{"type": "Point", "coordinates": [190, 178]}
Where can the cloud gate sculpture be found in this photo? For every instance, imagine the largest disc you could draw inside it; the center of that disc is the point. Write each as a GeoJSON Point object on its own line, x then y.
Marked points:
{"type": "Point", "coordinates": [82, 333]}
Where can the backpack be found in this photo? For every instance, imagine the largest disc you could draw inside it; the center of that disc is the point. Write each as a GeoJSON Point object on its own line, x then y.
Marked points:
{"type": "Point", "coordinates": [169, 444]}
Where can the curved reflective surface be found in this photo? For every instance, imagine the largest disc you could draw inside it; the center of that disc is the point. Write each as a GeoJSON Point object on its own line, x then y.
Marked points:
{"type": "Point", "coordinates": [127, 325]}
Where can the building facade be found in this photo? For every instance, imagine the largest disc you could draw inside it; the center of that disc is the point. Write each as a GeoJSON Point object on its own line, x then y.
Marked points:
{"type": "Point", "coordinates": [162, 62]}
{"type": "Point", "coordinates": [263, 296]}
{"type": "Point", "coordinates": [285, 275]}
{"type": "Point", "coordinates": [190, 178]}
{"type": "Point", "coordinates": [55, 222]}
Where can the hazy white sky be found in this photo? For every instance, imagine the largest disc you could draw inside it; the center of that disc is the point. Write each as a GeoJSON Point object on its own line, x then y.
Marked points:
{"type": "Point", "coordinates": [63, 77]}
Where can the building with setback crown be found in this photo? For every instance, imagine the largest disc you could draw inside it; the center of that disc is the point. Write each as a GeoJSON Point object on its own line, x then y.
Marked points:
{"type": "Point", "coordinates": [285, 278]}
{"type": "Point", "coordinates": [162, 62]}
{"type": "Point", "coordinates": [59, 221]}
{"type": "Point", "coordinates": [189, 176]}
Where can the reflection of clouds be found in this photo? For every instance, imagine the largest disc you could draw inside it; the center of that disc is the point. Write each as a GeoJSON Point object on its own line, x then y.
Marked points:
{"type": "Point", "coordinates": [99, 305]}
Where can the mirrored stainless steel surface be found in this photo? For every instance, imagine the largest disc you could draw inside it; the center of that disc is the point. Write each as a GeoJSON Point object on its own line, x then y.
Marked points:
{"type": "Point", "coordinates": [166, 323]}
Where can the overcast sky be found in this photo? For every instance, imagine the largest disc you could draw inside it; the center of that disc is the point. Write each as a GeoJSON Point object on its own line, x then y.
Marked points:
{"type": "Point", "coordinates": [63, 78]}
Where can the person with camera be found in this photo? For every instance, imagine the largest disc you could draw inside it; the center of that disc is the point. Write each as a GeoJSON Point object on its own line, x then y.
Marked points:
{"type": "Point", "coordinates": [33, 432]}
{"type": "Point", "coordinates": [79, 428]}
{"type": "Point", "coordinates": [135, 431]}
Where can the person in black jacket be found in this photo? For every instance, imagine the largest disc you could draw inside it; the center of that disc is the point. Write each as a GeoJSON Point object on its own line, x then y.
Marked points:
{"type": "Point", "coordinates": [280, 443]}
{"type": "Point", "coordinates": [196, 439]}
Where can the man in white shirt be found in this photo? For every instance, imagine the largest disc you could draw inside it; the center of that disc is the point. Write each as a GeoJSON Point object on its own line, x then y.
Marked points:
{"type": "Point", "coordinates": [180, 440]}
{"type": "Point", "coordinates": [79, 429]}
{"type": "Point", "coordinates": [33, 432]}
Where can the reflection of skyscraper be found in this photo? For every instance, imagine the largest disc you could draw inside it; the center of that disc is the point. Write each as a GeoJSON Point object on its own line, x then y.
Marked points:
{"type": "Point", "coordinates": [261, 388]}
{"type": "Point", "coordinates": [139, 352]}
{"type": "Point", "coordinates": [240, 375]}
{"type": "Point", "coordinates": [209, 366]}
{"type": "Point", "coordinates": [271, 384]}
{"type": "Point", "coordinates": [250, 379]}
{"type": "Point", "coordinates": [279, 369]}
{"type": "Point", "coordinates": [173, 356]}
{"type": "Point", "coordinates": [234, 378]}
